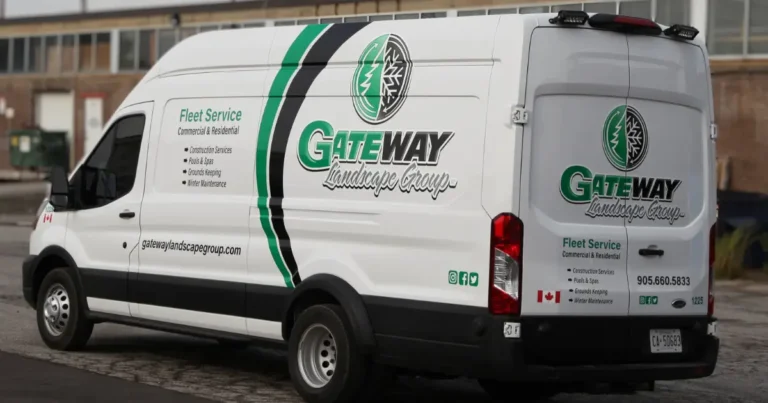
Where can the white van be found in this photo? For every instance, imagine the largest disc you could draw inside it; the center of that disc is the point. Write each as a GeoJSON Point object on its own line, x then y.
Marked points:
{"type": "Point", "coordinates": [522, 199]}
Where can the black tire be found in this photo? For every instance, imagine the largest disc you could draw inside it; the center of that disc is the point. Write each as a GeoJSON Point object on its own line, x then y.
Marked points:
{"type": "Point", "coordinates": [75, 334]}
{"type": "Point", "coordinates": [351, 380]}
{"type": "Point", "coordinates": [77, 330]}
{"type": "Point", "coordinates": [518, 392]}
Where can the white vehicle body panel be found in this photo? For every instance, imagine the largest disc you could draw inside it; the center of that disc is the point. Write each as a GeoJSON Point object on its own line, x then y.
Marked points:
{"type": "Point", "coordinates": [375, 157]}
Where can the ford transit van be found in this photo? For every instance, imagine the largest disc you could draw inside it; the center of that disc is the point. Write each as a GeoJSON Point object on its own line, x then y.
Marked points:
{"type": "Point", "coordinates": [525, 200]}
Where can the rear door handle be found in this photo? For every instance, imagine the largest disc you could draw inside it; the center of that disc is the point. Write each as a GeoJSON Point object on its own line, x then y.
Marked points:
{"type": "Point", "coordinates": [127, 214]}
{"type": "Point", "coordinates": [651, 252]}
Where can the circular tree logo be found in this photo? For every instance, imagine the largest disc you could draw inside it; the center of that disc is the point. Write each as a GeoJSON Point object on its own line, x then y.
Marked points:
{"type": "Point", "coordinates": [625, 138]}
{"type": "Point", "coordinates": [381, 80]}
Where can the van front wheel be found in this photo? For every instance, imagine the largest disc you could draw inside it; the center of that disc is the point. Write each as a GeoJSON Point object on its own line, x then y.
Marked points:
{"type": "Point", "coordinates": [517, 392]}
{"type": "Point", "coordinates": [61, 320]}
{"type": "Point", "coordinates": [324, 361]}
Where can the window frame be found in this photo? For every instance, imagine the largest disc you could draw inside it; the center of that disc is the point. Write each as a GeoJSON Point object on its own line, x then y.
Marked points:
{"type": "Point", "coordinates": [77, 176]}
{"type": "Point", "coordinates": [744, 54]}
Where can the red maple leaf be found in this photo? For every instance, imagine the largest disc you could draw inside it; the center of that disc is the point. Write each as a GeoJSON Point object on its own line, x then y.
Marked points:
{"type": "Point", "coordinates": [548, 296]}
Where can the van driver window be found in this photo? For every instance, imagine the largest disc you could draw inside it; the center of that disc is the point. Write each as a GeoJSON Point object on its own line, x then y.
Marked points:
{"type": "Point", "coordinates": [110, 171]}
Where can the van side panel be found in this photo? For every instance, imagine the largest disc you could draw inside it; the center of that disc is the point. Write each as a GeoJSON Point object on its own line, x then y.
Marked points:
{"type": "Point", "coordinates": [391, 205]}
{"type": "Point", "coordinates": [195, 230]}
{"type": "Point", "coordinates": [504, 140]}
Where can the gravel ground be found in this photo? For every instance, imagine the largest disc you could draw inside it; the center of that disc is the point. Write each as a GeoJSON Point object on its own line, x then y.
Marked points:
{"type": "Point", "coordinates": [204, 369]}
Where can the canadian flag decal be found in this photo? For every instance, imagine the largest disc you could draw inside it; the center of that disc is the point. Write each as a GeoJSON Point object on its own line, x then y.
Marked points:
{"type": "Point", "coordinates": [548, 297]}
{"type": "Point", "coordinates": [48, 217]}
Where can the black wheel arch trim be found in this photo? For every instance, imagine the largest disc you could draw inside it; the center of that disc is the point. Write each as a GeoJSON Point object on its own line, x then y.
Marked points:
{"type": "Point", "coordinates": [349, 299]}
{"type": "Point", "coordinates": [60, 252]}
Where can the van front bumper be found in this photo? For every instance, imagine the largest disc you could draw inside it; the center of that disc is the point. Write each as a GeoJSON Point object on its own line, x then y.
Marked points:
{"type": "Point", "coordinates": [463, 341]}
{"type": "Point", "coordinates": [27, 275]}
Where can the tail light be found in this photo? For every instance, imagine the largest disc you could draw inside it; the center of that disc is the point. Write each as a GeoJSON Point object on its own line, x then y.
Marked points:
{"type": "Point", "coordinates": [623, 23]}
{"type": "Point", "coordinates": [506, 265]}
{"type": "Point", "coordinates": [711, 301]}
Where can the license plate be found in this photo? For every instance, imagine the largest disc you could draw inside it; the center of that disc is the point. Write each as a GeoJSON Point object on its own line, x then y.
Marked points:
{"type": "Point", "coordinates": [666, 341]}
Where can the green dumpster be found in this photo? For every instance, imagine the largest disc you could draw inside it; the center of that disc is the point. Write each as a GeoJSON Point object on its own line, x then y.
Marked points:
{"type": "Point", "coordinates": [38, 149]}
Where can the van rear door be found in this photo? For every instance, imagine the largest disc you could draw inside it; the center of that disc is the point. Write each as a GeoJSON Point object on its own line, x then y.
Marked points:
{"type": "Point", "coordinates": [668, 123]}
{"type": "Point", "coordinates": [571, 204]}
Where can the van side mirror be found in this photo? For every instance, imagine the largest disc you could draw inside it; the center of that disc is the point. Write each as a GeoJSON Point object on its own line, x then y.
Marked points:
{"type": "Point", "coordinates": [59, 197]}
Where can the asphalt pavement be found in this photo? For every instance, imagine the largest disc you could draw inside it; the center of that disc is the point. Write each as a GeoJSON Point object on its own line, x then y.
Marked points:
{"type": "Point", "coordinates": [27, 380]}
{"type": "Point", "coordinates": [146, 365]}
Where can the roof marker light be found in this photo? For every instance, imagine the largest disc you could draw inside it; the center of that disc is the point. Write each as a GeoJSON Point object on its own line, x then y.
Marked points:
{"type": "Point", "coordinates": [570, 17]}
{"type": "Point", "coordinates": [682, 31]}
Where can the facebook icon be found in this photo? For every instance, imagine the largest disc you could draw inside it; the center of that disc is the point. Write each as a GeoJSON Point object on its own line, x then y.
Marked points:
{"type": "Point", "coordinates": [463, 278]}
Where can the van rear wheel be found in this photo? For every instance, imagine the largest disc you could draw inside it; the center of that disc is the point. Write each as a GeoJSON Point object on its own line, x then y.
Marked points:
{"type": "Point", "coordinates": [324, 361]}
{"type": "Point", "coordinates": [517, 392]}
{"type": "Point", "coordinates": [61, 320]}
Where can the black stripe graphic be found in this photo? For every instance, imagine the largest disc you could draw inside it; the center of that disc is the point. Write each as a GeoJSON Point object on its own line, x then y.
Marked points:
{"type": "Point", "coordinates": [314, 63]}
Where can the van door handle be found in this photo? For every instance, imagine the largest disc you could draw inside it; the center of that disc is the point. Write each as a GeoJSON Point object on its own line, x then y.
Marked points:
{"type": "Point", "coordinates": [127, 214]}
{"type": "Point", "coordinates": [651, 252]}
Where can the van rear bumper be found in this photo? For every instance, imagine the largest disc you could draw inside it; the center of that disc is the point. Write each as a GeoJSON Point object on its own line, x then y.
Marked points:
{"type": "Point", "coordinates": [471, 343]}
{"type": "Point", "coordinates": [525, 359]}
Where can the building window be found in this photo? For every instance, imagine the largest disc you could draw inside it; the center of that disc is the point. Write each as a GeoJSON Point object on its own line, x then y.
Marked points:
{"type": "Point", "coordinates": [572, 7]}
{"type": "Point", "coordinates": [147, 49]}
{"type": "Point", "coordinates": [356, 19]}
{"type": "Point", "coordinates": [434, 15]}
{"type": "Point", "coordinates": [187, 32]}
{"type": "Point", "coordinates": [671, 12]}
{"type": "Point", "coordinates": [52, 56]}
{"type": "Point", "coordinates": [534, 10]}
{"type": "Point", "coordinates": [307, 21]}
{"type": "Point", "coordinates": [209, 28]}
{"type": "Point", "coordinates": [285, 23]}
{"type": "Point", "coordinates": [497, 11]}
{"type": "Point", "coordinates": [19, 54]}
{"type": "Point", "coordinates": [254, 25]}
{"type": "Point", "coordinates": [381, 17]}
{"type": "Point", "coordinates": [470, 13]}
{"type": "Point", "coordinates": [85, 52]}
{"type": "Point", "coordinates": [409, 16]}
{"type": "Point", "coordinates": [166, 39]}
{"type": "Point", "coordinates": [128, 50]}
{"type": "Point", "coordinates": [36, 54]}
{"type": "Point", "coordinates": [640, 9]}
{"type": "Point", "coordinates": [331, 20]}
{"type": "Point", "coordinates": [5, 52]}
{"type": "Point", "coordinates": [758, 27]}
{"type": "Point", "coordinates": [604, 7]}
{"type": "Point", "coordinates": [68, 51]}
{"type": "Point", "coordinates": [102, 51]}
{"type": "Point", "coordinates": [726, 27]}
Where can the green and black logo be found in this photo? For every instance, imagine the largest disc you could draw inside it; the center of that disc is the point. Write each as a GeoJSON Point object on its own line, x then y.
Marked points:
{"type": "Point", "coordinates": [625, 144]}
{"type": "Point", "coordinates": [381, 80]}
{"type": "Point", "coordinates": [625, 138]}
{"type": "Point", "coordinates": [378, 159]}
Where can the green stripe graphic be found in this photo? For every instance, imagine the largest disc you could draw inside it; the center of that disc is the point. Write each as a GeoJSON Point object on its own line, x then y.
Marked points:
{"type": "Point", "coordinates": [277, 92]}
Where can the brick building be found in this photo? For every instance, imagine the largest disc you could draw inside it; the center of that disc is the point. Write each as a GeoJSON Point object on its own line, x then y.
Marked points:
{"type": "Point", "coordinates": [67, 64]}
